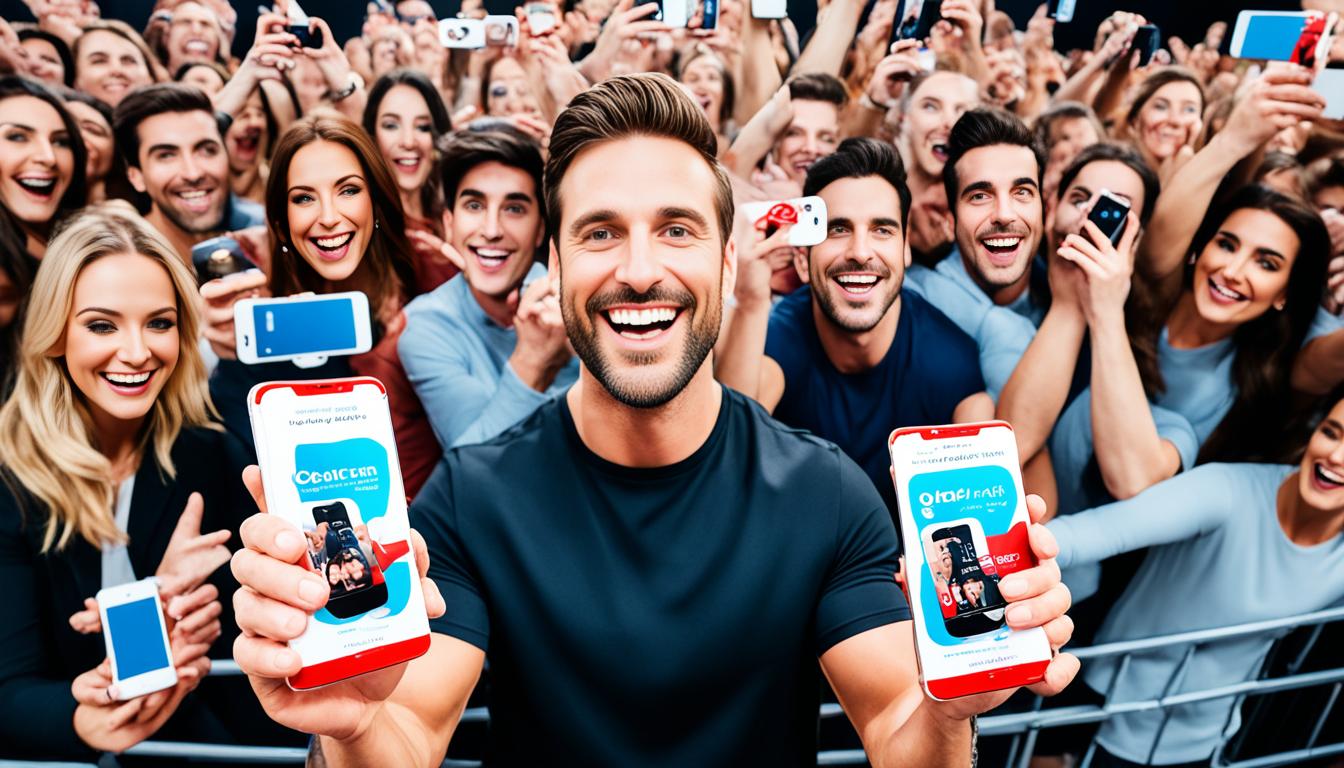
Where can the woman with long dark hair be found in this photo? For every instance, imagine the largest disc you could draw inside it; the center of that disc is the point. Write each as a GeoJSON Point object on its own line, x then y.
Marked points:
{"type": "Point", "coordinates": [406, 116]}
{"type": "Point", "coordinates": [335, 224]}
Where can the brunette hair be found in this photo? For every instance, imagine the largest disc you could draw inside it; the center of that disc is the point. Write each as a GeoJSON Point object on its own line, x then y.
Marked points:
{"type": "Point", "coordinates": [387, 259]}
{"type": "Point", "coordinates": [726, 108]}
{"type": "Point", "coordinates": [13, 238]}
{"type": "Point", "coordinates": [859, 157]}
{"type": "Point", "coordinates": [431, 197]}
{"type": "Point", "coordinates": [985, 127]}
{"type": "Point", "coordinates": [1127, 156]}
{"type": "Point", "coordinates": [148, 101]}
{"type": "Point", "coordinates": [1265, 346]}
{"type": "Point", "coordinates": [1058, 112]}
{"type": "Point", "coordinates": [31, 32]}
{"type": "Point", "coordinates": [1154, 82]}
{"type": "Point", "coordinates": [633, 105]}
{"type": "Point", "coordinates": [461, 151]}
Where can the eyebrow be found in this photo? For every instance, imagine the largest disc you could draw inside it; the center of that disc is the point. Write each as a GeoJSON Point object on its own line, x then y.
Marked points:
{"type": "Point", "coordinates": [115, 313]}
{"type": "Point", "coordinates": [157, 147]}
{"type": "Point", "coordinates": [341, 180]}
{"type": "Point", "coordinates": [1024, 181]}
{"type": "Point", "coordinates": [20, 126]}
{"type": "Point", "coordinates": [884, 221]}
{"type": "Point", "coordinates": [1333, 423]}
{"type": "Point", "coordinates": [676, 212]}
{"type": "Point", "coordinates": [523, 196]}
{"type": "Point", "coordinates": [598, 216]}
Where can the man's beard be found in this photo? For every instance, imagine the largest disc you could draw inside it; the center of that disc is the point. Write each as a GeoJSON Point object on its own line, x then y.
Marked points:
{"type": "Point", "coordinates": [196, 223]}
{"type": "Point", "coordinates": [831, 309]}
{"type": "Point", "coordinates": [700, 338]}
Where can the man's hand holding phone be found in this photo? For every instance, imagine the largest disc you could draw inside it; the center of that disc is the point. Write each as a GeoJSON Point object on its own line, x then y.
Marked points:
{"type": "Point", "coordinates": [754, 246]}
{"type": "Point", "coordinates": [278, 596]}
{"type": "Point", "coordinates": [1036, 597]}
{"type": "Point", "coordinates": [219, 296]}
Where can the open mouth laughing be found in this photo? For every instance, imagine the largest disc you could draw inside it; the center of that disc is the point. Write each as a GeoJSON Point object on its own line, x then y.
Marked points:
{"type": "Point", "coordinates": [1002, 247]}
{"type": "Point", "coordinates": [1325, 479]}
{"type": "Point", "coordinates": [333, 247]}
{"type": "Point", "coordinates": [641, 323]}
{"type": "Point", "coordinates": [196, 200]}
{"type": "Point", "coordinates": [856, 285]}
{"type": "Point", "coordinates": [130, 384]}
{"type": "Point", "coordinates": [40, 185]}
{"type": "Point", "coordinates": [1222, 294]}
{"type": "Point", "coordinates": [490, 259]}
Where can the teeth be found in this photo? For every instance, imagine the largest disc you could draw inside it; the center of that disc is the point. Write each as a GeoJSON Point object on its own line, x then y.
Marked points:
{"type": "Point", "coordinates": [128, 379]}
{"type": "Point", "coordinates": [1002, 242]}
{"type": "Point", "coordinates": [334, 242]}
{"type": "Point", "coordinates": [857, 279]}
{"type": "Point", "coordinates": [409, 162]}
{"type": "Point", "coordinates": [1329, 476]}
{"type": "Point", "coordinates": [197, 46]}
{"type": "Point", "coordinates": [1225, 291]}
{"type": "Point", "coordinates": [642, 316]}
{"type": "Point", "coordinates": [194, 194]}
{"type": "Point", "coordinates": [492, 253]}
{"type": "Point", "coordinates": [37, 185]}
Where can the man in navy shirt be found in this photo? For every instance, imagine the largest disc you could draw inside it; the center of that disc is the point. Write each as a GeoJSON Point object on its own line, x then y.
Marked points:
{"type": "Point", "coordinates": [851, 356]}
{"type": "Point", "coordinates": [651, 564]}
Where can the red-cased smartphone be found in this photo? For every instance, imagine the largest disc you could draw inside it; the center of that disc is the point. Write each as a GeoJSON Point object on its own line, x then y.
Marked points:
{"type": "Point", "coordinates": [963, 522]}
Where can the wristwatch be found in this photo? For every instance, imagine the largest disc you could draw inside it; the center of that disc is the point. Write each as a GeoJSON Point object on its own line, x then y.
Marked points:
{"type": "Point", "coordinates": [353, 83]}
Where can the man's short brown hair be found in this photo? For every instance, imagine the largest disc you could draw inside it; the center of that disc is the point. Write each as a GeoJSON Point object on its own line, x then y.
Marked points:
{"type": "Point", "coordinates": [633, 105]}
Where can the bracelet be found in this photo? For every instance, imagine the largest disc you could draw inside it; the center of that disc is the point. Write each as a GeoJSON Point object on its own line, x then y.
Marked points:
{"type": "Point", "coordinates": [353, 83]}
{"type": "Point", "coordinates": [867, 102]}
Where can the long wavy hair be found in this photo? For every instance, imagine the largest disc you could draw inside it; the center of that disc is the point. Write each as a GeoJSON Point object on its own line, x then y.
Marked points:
{"type": "Point", "coordinates": [1265, 346]}
{"type": "Point", "coordinates": [431, 196]}
{"type": "Point", "coordinates": [47, 445]}
{"type": "Point", "coordinates": [385, 271]}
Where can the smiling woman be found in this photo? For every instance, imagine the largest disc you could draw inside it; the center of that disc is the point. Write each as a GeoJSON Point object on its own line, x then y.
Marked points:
{"type": "Point", "coordinates": [111, 59]}
{"type": "Point", "coordinates": [42, 165]}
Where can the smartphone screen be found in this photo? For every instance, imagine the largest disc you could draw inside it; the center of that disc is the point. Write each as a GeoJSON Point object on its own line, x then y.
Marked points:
{"type": "Point", "coordinates": [345, 558]}
{"type": "Point", "coordinates": [1330, 84]}
{"type": "Point", "coordinates": [1109, 213]}
{"type": "Point", "coordinates": [1278, 36]}
{"type": "Point", "coordinates": [930, 13]}
{"type": "Point", "coordinates": [1146, 41]}
{"type": "Point", "coordinates": [299, 327]}
{"type": "Point", "coordinates": [137, 634]}
{"type": "Point", "coordinates": [1061, 10]}
{"type": "Point", "coordinates": [965, 577]}
{"type": "Point", "coordinates": [709, 14]}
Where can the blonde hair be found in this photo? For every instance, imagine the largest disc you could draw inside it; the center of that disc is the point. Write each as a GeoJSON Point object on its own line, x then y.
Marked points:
{"type": "Point", "coordinates": [46, 439]}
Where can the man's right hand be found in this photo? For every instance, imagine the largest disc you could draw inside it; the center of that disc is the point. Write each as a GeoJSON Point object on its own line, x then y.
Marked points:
{"type": "Point", "coordinates": [543, 345]}
{"type": "Point", "coordinates": [219, 296]}
{"type": "Point", "coordinates": [278, 595]}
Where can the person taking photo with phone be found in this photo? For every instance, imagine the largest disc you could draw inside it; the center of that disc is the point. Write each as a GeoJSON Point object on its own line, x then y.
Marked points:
{"type": "Point", "coordinates": [627, 464]}
{"type": "Point", "coordinates": [103, 483]}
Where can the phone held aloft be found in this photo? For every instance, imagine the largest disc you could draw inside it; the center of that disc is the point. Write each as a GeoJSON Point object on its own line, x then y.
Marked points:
{"type": "Point", "coordinates": [307, 328]}
{"type": "Point", "coordinates": [805, 215]}
{"type": "Point", "coordinates": [330, 468]}
{"type": "Point", "coordinates": [963, 521]}
{"type": "Point", "coordinates": [136, 636]}
{"type": "Point", "coordinates": [474, 34]}
{"type": "Point", "coordinates": [219, 257]}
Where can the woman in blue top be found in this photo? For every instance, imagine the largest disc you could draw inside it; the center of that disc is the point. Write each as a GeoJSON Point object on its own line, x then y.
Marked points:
{"type": "Point", "coordinates": [1265, 541]}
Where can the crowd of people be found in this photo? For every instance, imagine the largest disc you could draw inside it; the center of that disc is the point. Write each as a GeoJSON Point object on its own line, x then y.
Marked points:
{"type": "Point", "coordinates": [644, 436]}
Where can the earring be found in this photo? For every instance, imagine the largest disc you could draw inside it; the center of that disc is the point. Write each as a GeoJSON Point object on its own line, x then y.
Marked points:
{"type": "Point", "coordinates": [1192, 259]}
{"type": "Point", "coordinates": [284, 249]}
{"type": "Point", "coordinates": [1280, 305]}
{"type": "Point", "coordinates": [375, 223]}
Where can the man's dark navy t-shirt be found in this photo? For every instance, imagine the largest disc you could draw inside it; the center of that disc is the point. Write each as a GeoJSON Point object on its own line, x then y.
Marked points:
{"type": "Point", "coordinates": [931, 367]}
{"type": "Point", "coordinates": [667, 616]}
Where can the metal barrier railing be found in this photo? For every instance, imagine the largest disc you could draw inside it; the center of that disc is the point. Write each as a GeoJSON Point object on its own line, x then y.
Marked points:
{"type": "Point", "coordinates": [1022, 726]}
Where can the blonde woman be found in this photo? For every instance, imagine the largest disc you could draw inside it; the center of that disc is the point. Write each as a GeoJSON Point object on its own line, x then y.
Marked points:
{"type": "Point", "coordinates": [111, 463]}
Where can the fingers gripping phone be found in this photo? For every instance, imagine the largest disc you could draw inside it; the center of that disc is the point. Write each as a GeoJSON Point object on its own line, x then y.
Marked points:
{"type": "Point", "coordinates": [806, 216]}
{"type": "Point", "coordinates": [304, 328]}
{"type": "Point", "coordinates": [963, 519]}
{"type": "Point", "coordinates": [136, 638]}
{"type": "Point", "coordinates": [1147, 40]}
{"type": "Point", "coordinates": [1109, 213]}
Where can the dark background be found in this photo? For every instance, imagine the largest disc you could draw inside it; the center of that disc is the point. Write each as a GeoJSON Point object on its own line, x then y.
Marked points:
{"type": "Point", "coordinates": [1175, 17]}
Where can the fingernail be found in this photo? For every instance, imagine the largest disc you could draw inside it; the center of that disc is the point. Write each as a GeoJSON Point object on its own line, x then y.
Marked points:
{"type": "Point", "coordinates": [175, 609]}
{"type": "Point", "coordinates": [295, 623]}
{"type": "Point", "coordinates": [310, 590]}
{"type": "Point", "coordinates": [283, 658]}
{"type": "Point", "coordinates": [287, 540]}
{"type": "Point", "coordinates": [1019, 614]}
{"type": "Point", "coordinates": [1013, 586]}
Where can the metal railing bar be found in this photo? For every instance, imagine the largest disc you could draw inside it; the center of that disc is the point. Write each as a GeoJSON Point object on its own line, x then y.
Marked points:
{"type": "Point", "coordinates": [1325, 715]}
{"type": "Point", "coordinates": [1289, 758]}
{"type": "Point", "coordinates": [1206, 635]}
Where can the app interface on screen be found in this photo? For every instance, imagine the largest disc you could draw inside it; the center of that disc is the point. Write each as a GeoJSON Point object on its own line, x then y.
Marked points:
{"type": "Point", "coordinates": [1272, 37]}
{"type": "Point", "coordinates": [137, 639]}
{"type": "Point", "coordinates": [308, 326]}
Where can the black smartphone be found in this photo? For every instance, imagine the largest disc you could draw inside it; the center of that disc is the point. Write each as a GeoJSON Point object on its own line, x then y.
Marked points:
{"type": "Point", "coordinates": [1109, 214]}
{"type": "Point", "coordinates": [974, 583]}
{"type": "Point", "coordinates": [897, 21]}
{"type": "Point", "coordinates": [351, 570]}
{"type": "Point", "coordinates": [709, 14]}
{"type": "Point", "coordinates": [218, 257]}
{"type": "Point", "coordinates": [1147, 40]}
{"type": "Point", "coordinates": [308, 38]}
{"type": "Point", "coordinates": [930, 13]}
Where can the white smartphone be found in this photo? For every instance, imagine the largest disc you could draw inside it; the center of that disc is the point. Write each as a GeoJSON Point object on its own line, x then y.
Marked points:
{"type": "Point", "coordinates": [136, 638]}
{"type": "Point", "coordinates": [540, 17]}
{"type": "Point", "coordinates": [806, 216]}
{"type": "Point", "coordinates": [963, 515]}
{"type": "Point", "coordinates": [304, 326]}
{"type": "Point", "coordinates": [501, 31]}
{"type": "Point", "coordinates": [462, 33]}
{"type": "Point", "coordinates": [1330, 84]}
{"type": "Point", "coordinates": [674, 13]}
{"type": "Point", "coordinates": [1062, 10]}
{"type": "Point", "coordinates": [769, 9]}
{"type": "Point", "coordinates": [1302, 37]}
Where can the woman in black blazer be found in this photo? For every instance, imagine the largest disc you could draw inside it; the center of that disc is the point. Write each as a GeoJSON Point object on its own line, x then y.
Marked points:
{"type": "Point", "coordinates": [106, 440]}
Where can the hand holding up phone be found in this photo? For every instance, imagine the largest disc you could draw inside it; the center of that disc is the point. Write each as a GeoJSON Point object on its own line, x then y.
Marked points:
{"type": "Point", "coordinates": [1280, 98]}
{"type": "Point", "coordinates": [279, 595]}
{"type": "Point", "coordinates": [1107, 267]}
{"type": "Point", "coordinates": [543, 345]}
{"type": "Point", "coordinates": [109, 725]}
{"type": "Point", "coordinates": [219, 296]}
{"type": "Point", "coordinates": [1036, 597]}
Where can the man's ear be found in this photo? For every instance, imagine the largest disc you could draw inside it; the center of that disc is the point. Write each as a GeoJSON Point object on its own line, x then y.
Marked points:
{"type": "Point", "coordinates": [909, 256]}
{"type": "Point", "coordinates": [729, 268]}
{"type": "Point", "coordinates": [137, 178]}
{"type": "Point", "coordinates": [553, 262]}
{"type": "Point", "coordinates": [447, 219]}
{"type": "Point", "coordinates": [801, 260]}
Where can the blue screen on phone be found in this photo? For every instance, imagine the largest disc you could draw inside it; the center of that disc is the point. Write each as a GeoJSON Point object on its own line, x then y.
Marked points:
{"type": "Point", "coordinates": [137, 637]}
{"type": "Point", "coordinates": [304, 327]}
{"type": "Point", "coordinates": [1272, 37]}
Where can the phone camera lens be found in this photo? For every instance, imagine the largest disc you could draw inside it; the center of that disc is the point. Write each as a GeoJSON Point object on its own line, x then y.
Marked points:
{"type": "Point", "coordinates": [808, 207]}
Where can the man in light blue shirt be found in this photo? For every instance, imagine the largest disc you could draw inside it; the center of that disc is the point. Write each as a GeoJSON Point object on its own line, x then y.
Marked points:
{"type": "Point", "coordinates": [487, 348]}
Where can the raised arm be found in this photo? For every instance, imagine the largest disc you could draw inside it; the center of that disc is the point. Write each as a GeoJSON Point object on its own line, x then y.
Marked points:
{"type": "Point", "coordinates": [1280, 99]}
{"type": "Point", "coordinates": [758, 73]}
{"type": "Point", "coordinates": [825, 52]}
{"type": "Point", "coordinates": [740, 360]}
{"type": "Point", "coordinates": [1319, 367]}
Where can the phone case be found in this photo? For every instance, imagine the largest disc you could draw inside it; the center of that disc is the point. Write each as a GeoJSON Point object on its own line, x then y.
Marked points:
{"type": "Point", "coordinates": [806, 216]}
{"type": "Point", "coordinates": [468, 34]}
{"type": "Point", "coordinates": [329, 465]}
{"type": "Point", "coordinates": [302, 328]}
{"type": "Point", "coordinates": [140, 664]}
{"type": "Point", "coordinates": [769, 9]}
{"type": "Point", "coordinates": [1109, 213]}
{"type": "Point", "coordinates": [963, 520]}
